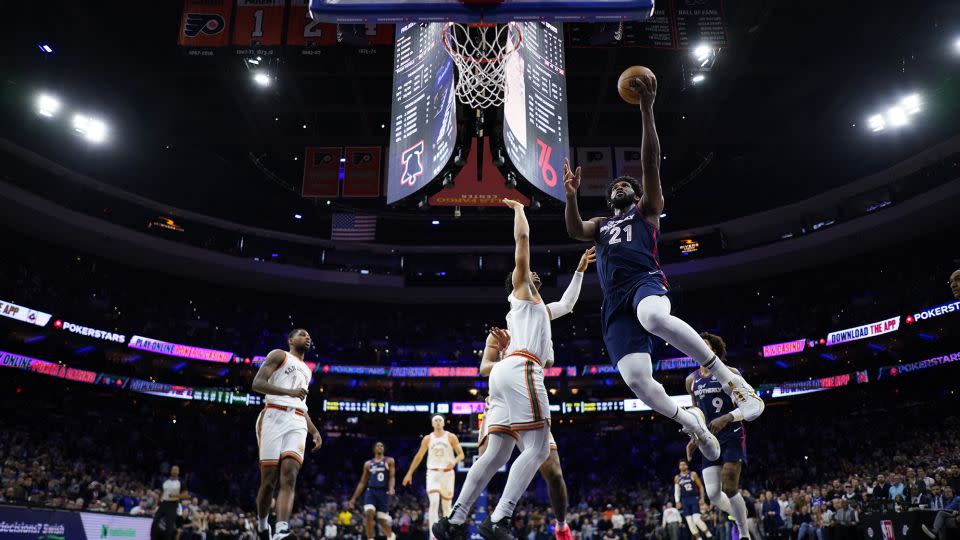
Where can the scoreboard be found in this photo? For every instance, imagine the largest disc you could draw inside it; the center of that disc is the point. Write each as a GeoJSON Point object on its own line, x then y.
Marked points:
{"type": "Point", "coordinates": [423, 128]}
{"type": "Point", "coordinates": [535, 107]}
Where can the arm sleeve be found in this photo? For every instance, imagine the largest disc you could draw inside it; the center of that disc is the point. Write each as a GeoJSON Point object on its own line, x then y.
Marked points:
{"type": "Point", "coordinates": [569, 298]}
{"type": "Point", "coordinates": [676, 492]}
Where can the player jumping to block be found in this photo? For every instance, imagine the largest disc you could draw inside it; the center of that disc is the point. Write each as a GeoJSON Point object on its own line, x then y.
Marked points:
{"type": "Point", "coordinates": [635, 305]}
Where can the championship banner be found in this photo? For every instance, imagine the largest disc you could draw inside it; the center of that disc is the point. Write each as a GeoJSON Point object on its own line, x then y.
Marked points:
{"type": "Point", "coordinates": [321, 171]}
{"type": "Point", "coordinates": [864, 332]}
{"type": "Point", "coordinates": [596, 172]}
{"type": "Point", "coordinates": [304, 31]}
{"type": "Point", "coordinates": [628, 161]}
{"type": "Point", "coordinates": [258, 23]}
{"type": "Point", "coordinates": [24, 314]}
{"type": "Point", "coordinates": [361, 172]}
{"type": "Point", "coordinates": [204, 25]}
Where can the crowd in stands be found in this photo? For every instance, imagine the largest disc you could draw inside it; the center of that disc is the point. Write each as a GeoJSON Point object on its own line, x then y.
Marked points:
{"type": "Point", "coordinates": [810, 474]}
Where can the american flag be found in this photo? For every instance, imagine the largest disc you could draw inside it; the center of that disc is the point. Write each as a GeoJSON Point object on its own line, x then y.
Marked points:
{"type": "Point", "coordinates": [353, 228]}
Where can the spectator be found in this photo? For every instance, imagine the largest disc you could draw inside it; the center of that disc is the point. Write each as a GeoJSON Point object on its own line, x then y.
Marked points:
{"type": "Point", "coordinates": [617, 520]}
{"type": "Point", "coordinates": [803, 524]}
{"type": "Point", "coordinates": [587, 529]}
{"type": "Point", "coordinates": [827, 521]}
{"type": "Point", "coordinates": [847, 521]}
{"type": "Point", "coordinates": [771, 516]}
{"type": "Point", "coordinates": [671, 521]}
{"type": "Point", "coordinates": [897, 488]}
{"type": "Point", "coordinates": [934, 499]}
{"type": "Point", "coordinates": [946, 519]}
{"type": "Point", "coordinates": [955, 283]}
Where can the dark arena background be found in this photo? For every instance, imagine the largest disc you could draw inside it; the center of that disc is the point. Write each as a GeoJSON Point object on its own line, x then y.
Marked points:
{"type": "Point", "coordinates": [183, 184]}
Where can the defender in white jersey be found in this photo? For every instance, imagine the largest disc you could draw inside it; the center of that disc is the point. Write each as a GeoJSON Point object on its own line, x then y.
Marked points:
{"type": "Point", "coordinates": [443, 452]}
{"type": "Point", "coordinates": [282, 428]}
{"type": "Point", "coordinates": [519, 404]}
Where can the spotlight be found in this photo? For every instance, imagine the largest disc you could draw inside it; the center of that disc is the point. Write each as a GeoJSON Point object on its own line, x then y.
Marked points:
{"type": "Point", "coordinates": [698, 78]}
{"type": "Point", "coordinates": [343, 160]}
{"type": "Point", "coordinates": [297, 216]}
{"type": "Point", "coordinates": [897, 116]}
{"type": "Point", "coordinates": [45, 48]}
{"type": "Point", "coordinates": [877, 123]}
{"type": "Point", "coordinates": [911, 103]}
{"type": "Point", "coordinates": [47, 105]}
{"type": "Point", "coordinates": [254, 61]}
{"type": "Point", "coordinates": [956, 46]}
{"type": "Point", "coordinates": [702, 52]}
{"type": "Point", "coordinates": [435, 222]}
{"type": "Point", "coordinates": [261, 79]}
{"type": "Point", "coordinates": [93, 129]}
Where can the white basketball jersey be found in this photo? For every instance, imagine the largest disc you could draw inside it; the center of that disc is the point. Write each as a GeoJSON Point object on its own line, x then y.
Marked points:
{"type": "Point", "coordinates": [293, 373]}
{"type": "Point", "coordinates": [440, 452]}
{"type": "Point", "coordinates": [529, 325]}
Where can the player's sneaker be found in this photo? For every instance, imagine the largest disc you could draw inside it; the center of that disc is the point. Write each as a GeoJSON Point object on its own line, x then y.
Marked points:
{"type": "Point", "coordinates": [707, 443]}
{"type": "Point", "coordinates": [444, 530]}
{"type": "Point", "coordinates": [745, 398]}
{"type": "Point", "coordinates": [283, 532]}
{"type": "Point", "coordinates": [927, 531]}
{"type": "Point", "coordinates": [564, 533]}
{"type": "Point", "coordinates": [265, 534]}
{"type": "Point", "coordinates": [496, 531]}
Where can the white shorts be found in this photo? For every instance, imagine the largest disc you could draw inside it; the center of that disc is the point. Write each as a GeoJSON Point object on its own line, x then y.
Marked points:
{"type": "Point", "coordinates": [281, 434]}
{"type": "Point", "coordinates": [441, 482]}
{"type": "Point", "coordinates": [484, 431]}
{"type": "Point", "coordinates": [518, 397]}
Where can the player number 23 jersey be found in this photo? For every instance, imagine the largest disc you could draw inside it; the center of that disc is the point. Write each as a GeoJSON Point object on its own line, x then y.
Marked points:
{"type": "Point", "coordinates": [440, 452]}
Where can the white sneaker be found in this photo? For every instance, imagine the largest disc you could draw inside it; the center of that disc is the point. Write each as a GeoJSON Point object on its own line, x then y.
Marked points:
{"type": "Point", "coordinates": [707, 443]}
{"type": "Point", "coordinates": [745, 398]}
{"type": "Point", "coordinates": [266, 534]}
{"type": "Point", "coordinates": [281, 534]}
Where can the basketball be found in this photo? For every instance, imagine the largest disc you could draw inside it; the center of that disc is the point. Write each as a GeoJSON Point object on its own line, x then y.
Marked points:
{"type": "Point", "coordinates": [627, 92]}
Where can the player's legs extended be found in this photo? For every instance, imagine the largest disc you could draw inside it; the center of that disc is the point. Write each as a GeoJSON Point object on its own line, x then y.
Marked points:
{"type": "Point", "coordinates": [699, 524]}
{"type": "Point", "coordinates": [637, 371]}
{"type": "Point", "coordinates": [445, 504]}
{"type": "Point", "coordinates": [691, 524]}
{"type": "Point", "coordinates": [556, 488]}
{"type": "Point", "coordinates": [730, 483]}
{"type": "Point", "coordinates": [499, 449]}
{"type": "Point", "coordinates": [713, 487]}
{"type": "Point", "coordinates": [434, 512]}
{"type": "Point", "coordinates": [268, 483]}
{"type": "Point", "coordinates": [370, 521]}
{"type": "Point", "coordinates": [536, 449]}
{"type": "Point", "coordinates": [289, 468]}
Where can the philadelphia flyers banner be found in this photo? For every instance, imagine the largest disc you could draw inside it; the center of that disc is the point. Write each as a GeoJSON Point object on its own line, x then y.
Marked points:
{"type": "Point", "coordinates": [203, 25]}
{"type": "Point", "coordinates": [257, 23]}
{"type": "Point", "coordinates": [321, 171]}
{"type": "Point", "coordinates": [361, 172]}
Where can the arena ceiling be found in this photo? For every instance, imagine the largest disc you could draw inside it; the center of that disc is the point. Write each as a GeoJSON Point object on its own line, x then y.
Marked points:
{"type": "Point", "coordinates": [781, 117]}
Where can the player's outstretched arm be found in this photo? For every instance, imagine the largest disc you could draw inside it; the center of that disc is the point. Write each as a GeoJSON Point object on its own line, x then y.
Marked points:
{"type": "Point", "coordinates": [570, 296]}
{"type": "Point", "coordinates": [417, 458]}
{"type": "Point", "coordinates": [497, 341]}
{"type": "Point", "coordinates": [521, 236]}
{"type": "Point", "coordinates": [260, 383]}
{"type": "Point", "coordinates": [651, 203]}
{"type": "Point", "coordinates": [577, 228]}
{"type": "Point", "coordinates": [360, 486]}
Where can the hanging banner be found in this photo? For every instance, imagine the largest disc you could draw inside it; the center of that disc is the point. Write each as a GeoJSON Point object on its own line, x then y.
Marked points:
{"type": "Point", "coordinates": [628, 161]}
{"type": "Point", "coordinates": [361, 172]}
{"type": "Point", "coordinates": [321, 171]}
{"type": "Point", "coordinates": [596, 164]}
{"type": "Point", "coordinates": [203, 26]}
{"type": "Point", "coordinates": [304, 31]}
{"type": "Point", "coordinates": [258, 23]}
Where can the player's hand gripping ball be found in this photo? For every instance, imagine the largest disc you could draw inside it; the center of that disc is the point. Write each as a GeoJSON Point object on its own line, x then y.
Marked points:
{"type": "Point", "coordinates": [637, 85]}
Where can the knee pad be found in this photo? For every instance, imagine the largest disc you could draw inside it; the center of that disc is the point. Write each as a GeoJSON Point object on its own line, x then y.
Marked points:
{"type": "Point", "coordinates": [384, 516]}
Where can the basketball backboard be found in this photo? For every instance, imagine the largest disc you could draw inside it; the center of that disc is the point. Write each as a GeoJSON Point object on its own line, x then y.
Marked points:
{"type": "Point", "coordinates": [491, 11]}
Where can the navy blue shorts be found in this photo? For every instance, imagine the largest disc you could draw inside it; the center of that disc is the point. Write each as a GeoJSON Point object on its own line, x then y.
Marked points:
{"type": "Point", "coordinates": [622, 332]}
{"type": "Point", "coordinates": [732, 450]}
{"type": "Point", "coordinates": [376, 498]}
{"type": "Point", "coordinates": [690, 505]}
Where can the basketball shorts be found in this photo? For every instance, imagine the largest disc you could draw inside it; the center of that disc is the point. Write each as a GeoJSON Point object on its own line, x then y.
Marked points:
{"type": "Point", "coordinates": [376, 499]}
{"type": "Point", "coordinates": [690, 505]}
{"type": "Point", "coordinates": [732, 450]}
{"type": "Point", "coordinates": [518, 397]}
{"type": "Point", "coordinates": [441, 482]}
{"type": "Point", "coordinates": [484, 432]}
{"type": "Point", "coordinates": [622, 332]}
{"type": "Point", "coordinates": [281, 433]}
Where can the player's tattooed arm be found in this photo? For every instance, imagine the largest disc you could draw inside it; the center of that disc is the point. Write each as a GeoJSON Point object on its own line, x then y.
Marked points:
{"type": "Point", "coordinates": [651, 203]}
{"type": "Point", "coordinates": [424, 446]}
{"type": "Point", "coordinates": [261, 382]}
{"type": "Point", "coordinates": [577, 228]}
{"type": "Point", "coordinates": [360, 486]}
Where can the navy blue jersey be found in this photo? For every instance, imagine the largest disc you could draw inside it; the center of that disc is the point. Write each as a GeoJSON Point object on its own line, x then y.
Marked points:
{"type": "Point", "coordinates": [714, 402]}
{"type": "Point", "coordinates": [627, 252]}
{"type": "Point", "coordinates": [378, 474]}
{"type": "Point", "coordinates": [688, 489]}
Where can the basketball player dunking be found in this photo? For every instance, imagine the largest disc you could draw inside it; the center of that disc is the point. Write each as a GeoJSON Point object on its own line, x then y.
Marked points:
{"type": "Point", "coordinates": [635, 305]}
{"type": "Point", "coordinates": [519, 399]}
{"type": "Point", "coordinates": [282, 428]}
{"type": "Point", "coordinates": [721, 476]}
{"type": "Point", "coordinates": [443, 452]}
{"type": "Point", "coordinates": [688, 493]}
{"type": "Point", "coordinates": [376, 484]}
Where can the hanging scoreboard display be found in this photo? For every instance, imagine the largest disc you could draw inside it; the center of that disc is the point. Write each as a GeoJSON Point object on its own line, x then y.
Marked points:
{"type": "Point", "coordinates": [257, 24]}
{"type": "Point", "coordinates": [535, 107]}
{"type": "Point", "coordinates": [423, 127]}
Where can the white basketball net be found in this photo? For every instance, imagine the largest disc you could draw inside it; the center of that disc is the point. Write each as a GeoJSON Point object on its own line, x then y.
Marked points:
{"type": "Point", "coordinates": [479, 50]}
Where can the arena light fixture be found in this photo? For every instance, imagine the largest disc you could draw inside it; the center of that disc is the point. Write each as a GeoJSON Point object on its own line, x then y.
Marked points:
{"type": "Point", "coordinates": [93, 129]}
{"type": "Point", "coordinates": [877, 123]}
{"type": "Point", "coordinates": [956, 46]}
{"type": "Point", "coordinates": [698, 78]}
{"type": "Point", "coordinates": [911, 103]}
{"type": "Point", "coordinates": [702, 52]}
{"type": "Point", "coordinates": [897, 116]}
{"type": "Point", "coordinates": [262, 79]}
{"type": "Point", "coordinates": [48, 105]}
{"type": "Point", "coordinates": [297, 216]}
{"type": "Point", "coordinates": [47, 49]}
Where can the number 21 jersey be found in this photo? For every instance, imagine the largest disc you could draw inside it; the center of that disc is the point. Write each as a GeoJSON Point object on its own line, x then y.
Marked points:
{"type": "Point", "coordinates": [627, 253]}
